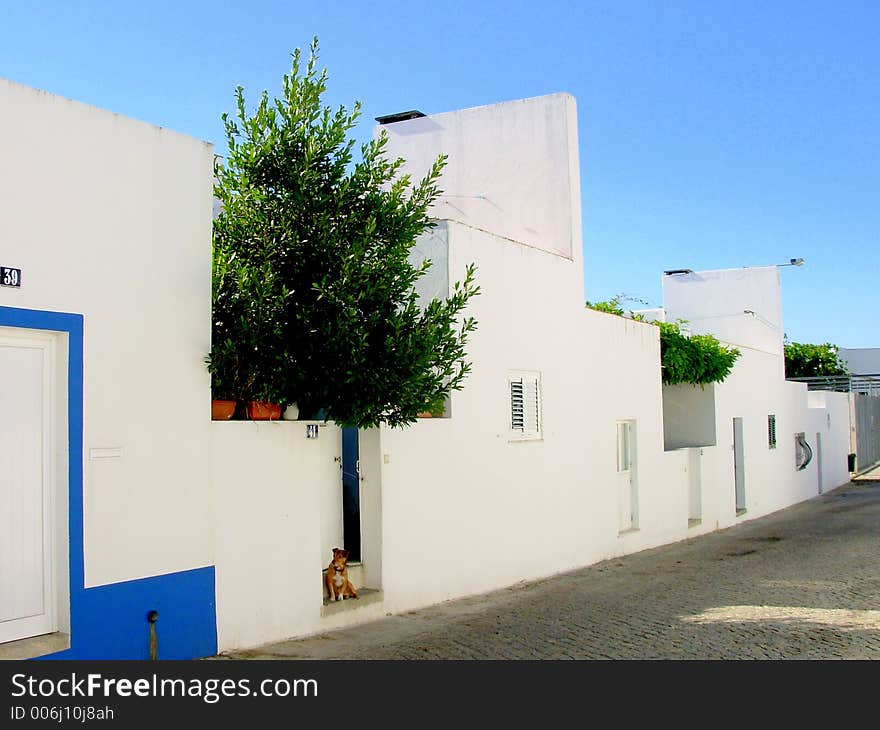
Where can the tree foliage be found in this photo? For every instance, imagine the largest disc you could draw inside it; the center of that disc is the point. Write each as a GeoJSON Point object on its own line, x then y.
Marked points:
{"type": "Point", "coordinates": [314, 297]}
{"type": "Point", "coordinates": [610, 306]}
{"type": "Point", "coordinates": [684, 358]}
{"type": "Point", "coordinates": [805, 360]}
{"type": "Point", "coordinates": [694, 359]}
{"type": "Point", "coordinates": [615, 305]}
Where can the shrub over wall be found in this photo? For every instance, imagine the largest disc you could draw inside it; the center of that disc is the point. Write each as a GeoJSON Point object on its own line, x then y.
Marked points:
{"type": "Point", "coordinates": [694, 359]}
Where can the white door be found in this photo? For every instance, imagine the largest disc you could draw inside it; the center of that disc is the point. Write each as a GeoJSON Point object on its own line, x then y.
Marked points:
{"type": "Point", "coordinates": [739, 466]}
{"type": "Point", "coordinates": [26, 509]}
{"type": "Point", "coordinates": [624, 475]}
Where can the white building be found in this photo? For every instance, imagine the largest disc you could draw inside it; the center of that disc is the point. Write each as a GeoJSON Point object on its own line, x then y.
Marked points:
{"type": "Point", "coordinates": [105, 493]}
{"type": "Point", "coordinates": [861, 360]}
{"type": "Point", "coordinates": [563, 449]}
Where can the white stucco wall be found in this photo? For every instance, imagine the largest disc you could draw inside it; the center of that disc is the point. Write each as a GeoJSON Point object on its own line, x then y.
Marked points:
{"type": "Point", "coordinates": [740, 306]}
{"type": "Point", "coordinates": [830, 415]}
{"type": "Point", "coordinates": [484, 512]}
{"type": "Point", "coordinates": [513, 169]}
{"type": "Point", "coordinates": [688, 415]}
{"type": "Point", "coordinates": [454, 506]}
{"type": "Point", "coordinates": [752, 392]}
{"type": "Point", "coordinates": [111, 218]}
{"type": "Point", "coordinates": [273, 490]}
{"type": "Point", "coordinates": [432, 246]}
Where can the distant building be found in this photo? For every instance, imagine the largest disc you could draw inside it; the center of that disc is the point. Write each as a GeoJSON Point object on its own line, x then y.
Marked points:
{"type": "Point", "coordinates": [861, 360]}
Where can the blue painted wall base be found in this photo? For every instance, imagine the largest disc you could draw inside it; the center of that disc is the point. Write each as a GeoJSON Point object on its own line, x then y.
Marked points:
{"type": "Point", "coordinates": [110, 622]}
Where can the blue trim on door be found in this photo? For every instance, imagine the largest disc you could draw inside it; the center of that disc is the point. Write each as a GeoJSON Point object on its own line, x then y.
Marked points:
{"type": "Point", "coordinates": [109, 622]}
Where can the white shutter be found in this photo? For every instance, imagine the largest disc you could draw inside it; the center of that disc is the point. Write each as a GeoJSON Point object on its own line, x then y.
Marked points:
{"type": "Point", "coordinates": [525, 405]}
{"type": "Point", "coordinates": [531, 407]}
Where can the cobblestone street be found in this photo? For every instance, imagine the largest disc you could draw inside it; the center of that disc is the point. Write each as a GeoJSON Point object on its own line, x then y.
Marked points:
{"type": "Point", "coordinates": [803, 583]}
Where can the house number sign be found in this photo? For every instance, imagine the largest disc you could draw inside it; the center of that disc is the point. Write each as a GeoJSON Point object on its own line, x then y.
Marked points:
{"type": "Point", "coordinates": [10, 276]}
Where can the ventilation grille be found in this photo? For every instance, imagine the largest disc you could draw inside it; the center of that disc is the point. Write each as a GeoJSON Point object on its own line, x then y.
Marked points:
{"type": "Point", "coordinates": [771, 432]}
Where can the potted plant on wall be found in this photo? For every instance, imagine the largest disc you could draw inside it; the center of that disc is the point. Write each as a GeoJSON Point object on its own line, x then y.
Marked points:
{"type": "Point", "coordinates": [264, 406]}
{"type": "Point", "coordinates": [435, 409]}
{"type": "Point", "coordinates": [226, 380]}
{"type": "Point", "coordinates": [240, 381]}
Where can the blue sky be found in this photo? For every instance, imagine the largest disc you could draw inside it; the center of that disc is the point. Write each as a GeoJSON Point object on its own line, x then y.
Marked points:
{"type": "Point", "coordinates": [714, 134]}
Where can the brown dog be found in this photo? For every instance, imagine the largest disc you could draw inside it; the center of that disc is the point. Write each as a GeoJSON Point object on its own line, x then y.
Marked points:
{"type": "Point", "coordinates": [338, 584]}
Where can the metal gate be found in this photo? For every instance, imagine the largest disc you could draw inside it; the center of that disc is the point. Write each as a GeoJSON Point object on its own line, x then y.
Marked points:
{"type": "Point", "coordinates": [867, 421]}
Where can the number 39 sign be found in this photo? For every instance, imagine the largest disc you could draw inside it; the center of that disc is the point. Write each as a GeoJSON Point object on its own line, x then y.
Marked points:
{"type": "Point", "coordinates": [10, 276]}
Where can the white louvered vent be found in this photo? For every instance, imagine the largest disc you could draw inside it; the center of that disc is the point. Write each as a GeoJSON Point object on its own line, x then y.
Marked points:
{"type": "Point", "coordinates": [525, 405]}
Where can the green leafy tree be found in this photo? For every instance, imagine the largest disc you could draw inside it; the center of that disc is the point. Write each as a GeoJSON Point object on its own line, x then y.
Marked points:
{"type": "Point", "coordinates": [315, 296]}
{"type": "Point", "coordinates": [805, 360]}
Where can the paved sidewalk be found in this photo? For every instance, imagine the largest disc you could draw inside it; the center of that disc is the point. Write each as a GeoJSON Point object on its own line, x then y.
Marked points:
{"type": "Point", "coordinates": [803, 583]}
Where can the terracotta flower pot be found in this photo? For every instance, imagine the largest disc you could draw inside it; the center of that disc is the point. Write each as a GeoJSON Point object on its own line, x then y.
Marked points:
{"type": "Point", "coordinates": [222, 410]}
{"type": "Point", "coordinates": [262, 411]}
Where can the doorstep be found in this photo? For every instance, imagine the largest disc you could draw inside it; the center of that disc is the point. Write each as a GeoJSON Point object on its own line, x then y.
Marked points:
{"type": "Point", "coordinates": [367, 597]}
{"type": "Point", "coordinates": [35, 646]}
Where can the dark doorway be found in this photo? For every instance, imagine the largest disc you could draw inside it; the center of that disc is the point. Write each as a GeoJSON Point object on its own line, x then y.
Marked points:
{"type": "Point", "coordinates": [351, 494]}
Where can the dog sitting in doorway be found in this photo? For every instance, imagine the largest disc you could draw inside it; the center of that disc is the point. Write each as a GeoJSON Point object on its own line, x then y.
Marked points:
{"type": "Point", "coordinates": [338, 584]}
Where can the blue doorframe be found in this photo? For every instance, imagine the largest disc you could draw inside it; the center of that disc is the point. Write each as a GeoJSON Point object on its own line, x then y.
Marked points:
{"type": "Point", "coordinates": [109, 622]}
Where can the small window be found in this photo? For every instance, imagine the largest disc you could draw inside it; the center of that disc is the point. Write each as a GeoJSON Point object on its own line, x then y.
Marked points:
{"type": "Point", "coordinates": [771, 432]}
{"type": "Point", "coordinates": [525, 405]}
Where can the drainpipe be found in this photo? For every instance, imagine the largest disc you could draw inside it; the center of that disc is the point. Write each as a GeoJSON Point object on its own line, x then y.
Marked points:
{"type": "Point", "coordinates": [152, 617]}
